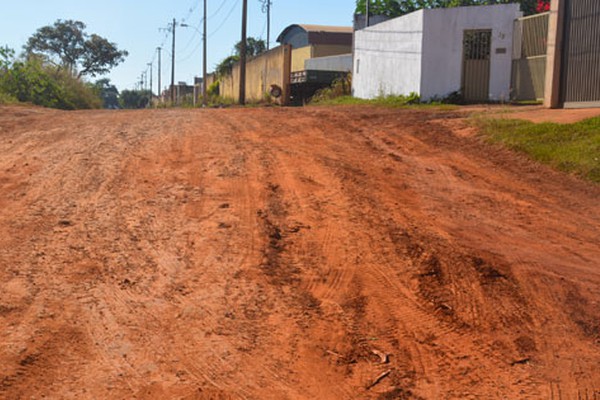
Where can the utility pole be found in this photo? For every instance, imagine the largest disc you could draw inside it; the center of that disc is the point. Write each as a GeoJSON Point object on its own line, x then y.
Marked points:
{"type": "Point", "coordinates": [159, 74]}
{"type": "Point", "coordinates": [243, 53]}
{"type": "Point", "coordinates": [266, 8]}
{"type": "Point", "coordinates": [367, 15]}
{"type": "Point", "coordinates": [151, 87]}
{"type": "Point", "coordinates": [268, 23]}
{"type": "Point", "coordinates": [173, 65]}
{"type": "Point", "coordinates": [204, 51]}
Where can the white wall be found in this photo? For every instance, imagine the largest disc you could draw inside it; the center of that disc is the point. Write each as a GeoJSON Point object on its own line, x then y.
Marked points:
{"type": "Point", "coordinates": [443, 53]}
{"type": "Point", "coordinates": [341, 63]}
{"type": "Point", "coordinates": [387, 57]}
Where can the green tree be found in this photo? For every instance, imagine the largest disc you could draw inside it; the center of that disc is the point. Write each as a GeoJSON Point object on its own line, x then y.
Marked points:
{"type": "Point", "coordinates": [395, 8]}
{"type": "Point", "coordinates": [226, 65]}
{"type": "Point", "coordinates": [6, 56]}
{"type": "Point", "coordinates": [134, 99]}
{"type": "Point", "coordinates": [108, 92]}
{"type": "Point", "coordinates": [67, 45]}
{"type": "Point", "coordinates": [253, 47]}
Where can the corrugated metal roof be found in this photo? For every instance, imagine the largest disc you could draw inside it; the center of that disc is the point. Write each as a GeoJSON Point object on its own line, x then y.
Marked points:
{"type": "Point", "coordinates": [324, 29]}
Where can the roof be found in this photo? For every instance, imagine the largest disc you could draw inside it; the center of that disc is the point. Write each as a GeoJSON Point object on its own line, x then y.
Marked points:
{"type": "Point", "coordinates": [316, 29]}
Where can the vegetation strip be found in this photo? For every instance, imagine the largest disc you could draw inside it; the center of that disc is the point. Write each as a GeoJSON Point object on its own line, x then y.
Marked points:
{"type": "Point", "coordinates": [573, 148]}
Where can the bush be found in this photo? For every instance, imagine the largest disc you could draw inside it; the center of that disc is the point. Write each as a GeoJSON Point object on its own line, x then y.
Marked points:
{"type": "Point", "coordinates": [32, 81]}
{"type": "Point", "coordinates": [339, 88]}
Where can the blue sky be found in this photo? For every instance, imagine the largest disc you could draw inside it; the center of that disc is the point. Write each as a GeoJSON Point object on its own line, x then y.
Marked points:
{"type": "Point", "coordinates": [134, 26]}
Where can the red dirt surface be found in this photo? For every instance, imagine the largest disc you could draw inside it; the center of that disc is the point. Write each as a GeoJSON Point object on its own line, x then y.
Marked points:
{"type": "Point", "coordinates": [317, 253]}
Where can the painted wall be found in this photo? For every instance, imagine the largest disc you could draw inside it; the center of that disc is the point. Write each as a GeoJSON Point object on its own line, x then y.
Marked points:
{"type": "Point", "coordinates": [333, 63]}
{"type": "Point", "coordinates": [443, 53]}
{"type": "Point", "coordinates": [387, 57]}
{"type": "Point", "coordinates": [422, 52]}
{"type": "Point", "coordinates": [325, 50]}
{"type": "Point", "coordinates": [270, 68]}
{"type": "Point", "coordinates": [299, 56]}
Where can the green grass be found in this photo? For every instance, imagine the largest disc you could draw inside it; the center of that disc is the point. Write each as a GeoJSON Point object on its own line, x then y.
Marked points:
{"type": "Point", "coordinates": [573, 148]}
{"type": "Point", "coordinates": [382, 101]}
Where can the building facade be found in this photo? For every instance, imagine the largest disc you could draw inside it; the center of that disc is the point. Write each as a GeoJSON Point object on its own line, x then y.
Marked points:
{"type": "Point", "coordinates": [438, 52]}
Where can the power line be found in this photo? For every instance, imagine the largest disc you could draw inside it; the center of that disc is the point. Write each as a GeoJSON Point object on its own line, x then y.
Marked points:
{"type": "Point", "coordinates": [226, 18]}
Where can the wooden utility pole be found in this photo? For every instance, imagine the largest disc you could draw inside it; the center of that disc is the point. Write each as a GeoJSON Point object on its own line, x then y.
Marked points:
{"type": "Point", "coordinates": [367, 15]}
{"type": "Point", "coordinates": [204, 51]}
{"type": "Point", "coordinates": [159, 74]}
{"type": "Point", "coordinates": [268, 23]}
{"type": "Point", "coordinates": [173, 64]}
{"type": "Point", "coordinates": [151, 86]}
{"type": "Point", "coordinates": [243, 53]}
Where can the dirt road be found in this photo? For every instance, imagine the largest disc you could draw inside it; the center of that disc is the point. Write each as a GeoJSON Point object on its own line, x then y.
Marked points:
{"type": "Point", "coordinates": [349, 253]}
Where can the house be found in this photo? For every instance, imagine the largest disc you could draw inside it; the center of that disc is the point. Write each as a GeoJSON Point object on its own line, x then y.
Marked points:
{"type": "Point", "coordinates": [573, 62]}
{"type": "Point", "coordinates": [312, 41]}
{"type": "Point", "coordinates": [281, 74]}
{"type": "Point", "coordinates": [438, 52]}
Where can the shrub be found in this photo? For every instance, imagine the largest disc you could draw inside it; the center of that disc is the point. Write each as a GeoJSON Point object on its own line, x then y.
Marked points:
{"type": "Point", "coordinates": [32, 81]}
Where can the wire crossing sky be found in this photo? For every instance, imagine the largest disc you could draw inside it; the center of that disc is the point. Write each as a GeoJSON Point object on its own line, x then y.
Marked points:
{"type": "Point", "coordinates": [141, 26]}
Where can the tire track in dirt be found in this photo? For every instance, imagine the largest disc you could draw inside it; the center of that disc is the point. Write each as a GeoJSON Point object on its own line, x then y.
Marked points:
{"type": "Point", "coordinates": [275, 253]}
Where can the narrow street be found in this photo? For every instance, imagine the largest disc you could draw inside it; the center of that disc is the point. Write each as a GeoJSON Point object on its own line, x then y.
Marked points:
{"type": "Point", "coordinates": [311, 253]}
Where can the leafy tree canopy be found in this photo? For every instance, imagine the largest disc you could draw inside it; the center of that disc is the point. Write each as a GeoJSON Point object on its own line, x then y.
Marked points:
{"type": "Point", "coordinates": [68, 45]}
{"type": "Point", "coordinates": [6, 55]}
{"type": "Point", "coordinates": [133, 99]}
{"type": "Point", "coordinates": [108, 92]}
{"type": "Point", "coordinates": [254, 47]}
{"type": "Point", "coordinates": [395, 8]}
{"type": "Point", "coordinates": [226, 65]}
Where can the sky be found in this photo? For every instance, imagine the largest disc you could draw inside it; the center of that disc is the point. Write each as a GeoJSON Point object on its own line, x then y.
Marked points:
{"type": "Point", "coordinates": [138, 26]}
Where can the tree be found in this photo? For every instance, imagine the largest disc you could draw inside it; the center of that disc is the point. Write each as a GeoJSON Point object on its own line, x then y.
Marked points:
{"type": "Point", "coordinates": [36, 82]}
{"type": "Point", "coordinates": [226, 65]}
{"type": "Point", "coordinates": [6, 55]}
{"type": "Point", "coordinates": [108, 92]}
{"type": "Point", "coordinates": [67, 45]}
{"type": "Point", "coordinates": [253, 47]}
{"type": "Point", "coordinates": [133, 99]}
{"type": "Point", "coordinates": [395, 8]}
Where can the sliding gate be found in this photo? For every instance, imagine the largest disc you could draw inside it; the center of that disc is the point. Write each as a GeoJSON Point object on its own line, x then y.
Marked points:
{"type": "Point", "coordinates": [580, 86]}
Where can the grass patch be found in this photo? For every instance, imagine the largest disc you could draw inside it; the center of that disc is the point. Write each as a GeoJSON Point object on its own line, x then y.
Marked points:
{"type": "Point", "coordinates": [383, 101]}
{"type": "Point", "coordinates": [573, 148]}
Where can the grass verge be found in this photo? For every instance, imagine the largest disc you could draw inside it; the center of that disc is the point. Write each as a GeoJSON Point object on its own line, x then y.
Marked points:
{"type": "Point", "coordinates": [382, 101]}
{"type": "Point", "coordinates": [573, 148]}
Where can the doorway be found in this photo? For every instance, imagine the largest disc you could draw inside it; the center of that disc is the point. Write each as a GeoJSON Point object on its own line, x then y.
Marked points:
{"type": "Point", "coordinates": [477, 46]}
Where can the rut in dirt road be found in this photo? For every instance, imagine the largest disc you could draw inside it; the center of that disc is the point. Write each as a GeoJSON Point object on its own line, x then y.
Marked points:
{"type": "Point", "coordinates": [289, 254]}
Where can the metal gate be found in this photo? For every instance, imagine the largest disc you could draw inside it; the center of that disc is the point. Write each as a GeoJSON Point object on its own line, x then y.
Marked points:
{"type": "Point", "coordinates": [580, 86]}
{"type": "Point", "coordinates": [477, 46]}
{"type": "Point", "coordinates": [530, 37]}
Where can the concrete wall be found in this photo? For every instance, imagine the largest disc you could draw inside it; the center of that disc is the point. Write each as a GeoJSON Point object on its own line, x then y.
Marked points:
{"type": "Point", "coordinates": [270, 68]}
{"type": "Point", "coordinates": [326, 50]}
{"type": "Point", "coordinates": [299, 56]}
{"type": "Point", "coordinates": [360, 21]}
{"type": "Point", "coordinates": [333, 63]}
{"type": "Point", "coordinates": [387, 57]}
{"type": "Point", "coordinates": [443, 53]}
